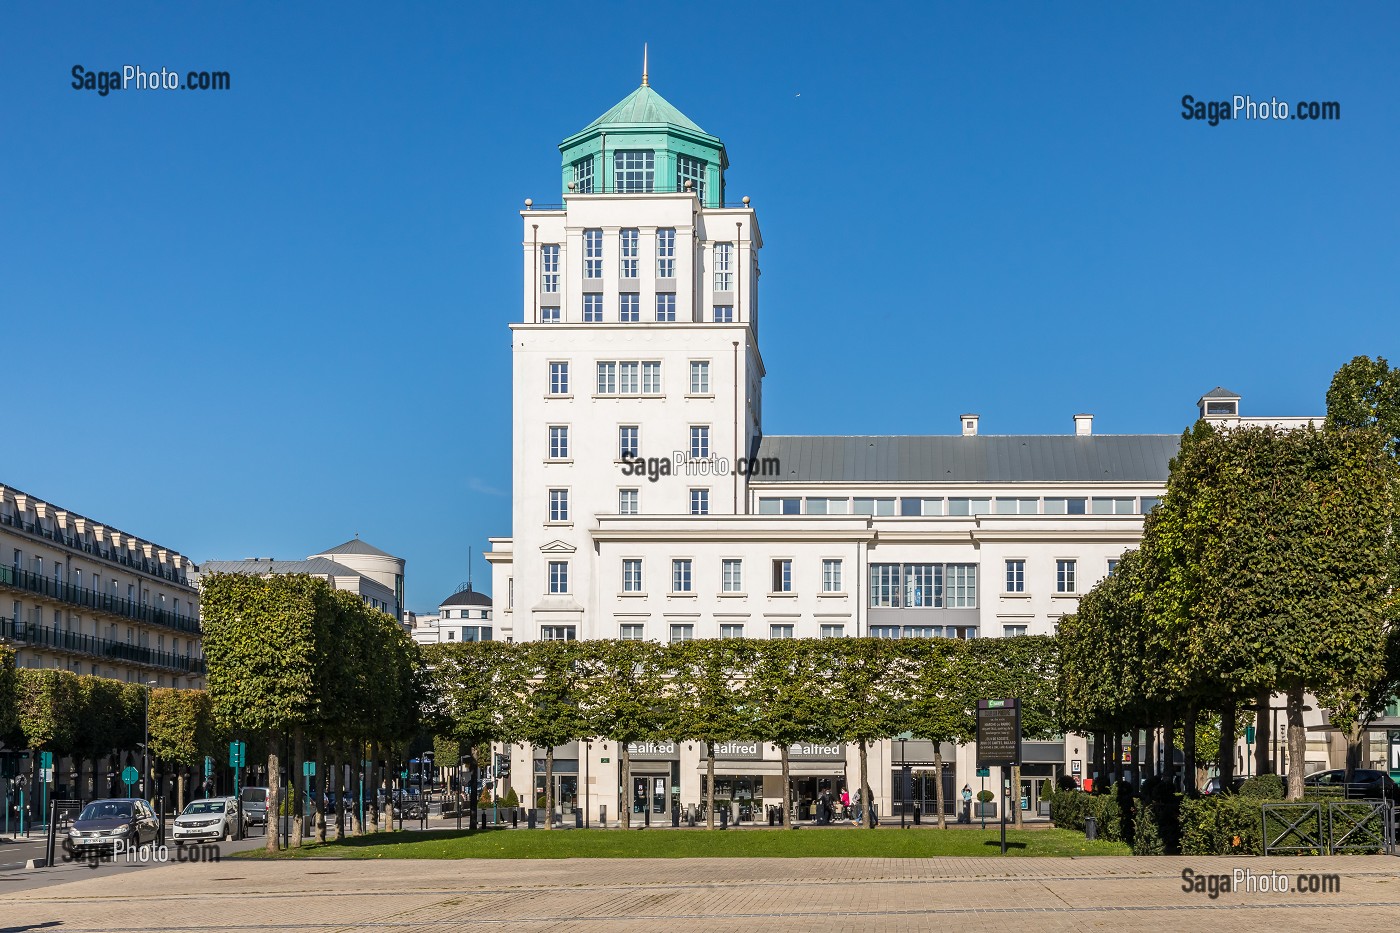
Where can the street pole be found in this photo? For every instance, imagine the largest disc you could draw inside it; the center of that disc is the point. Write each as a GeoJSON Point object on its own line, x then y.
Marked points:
{"type": "Point", "coordinates": [588, 753]}
{"type": "Point", "coordinates": [146, 749]}
{"type": "Point", "coordinates": [1005, 801]}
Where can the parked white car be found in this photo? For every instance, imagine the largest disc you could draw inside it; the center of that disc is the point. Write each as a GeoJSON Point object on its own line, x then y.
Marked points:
{"type": "Point", "coordinates": [212, 818]}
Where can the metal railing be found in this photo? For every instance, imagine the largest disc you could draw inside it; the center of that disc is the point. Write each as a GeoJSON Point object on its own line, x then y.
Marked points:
{"type": "Point", "coordinates": [1327, 827]}
{"type": "Point", "coordinates": [126, 559]}
{"type": "Point", "coordinates": [40, 636]}
{"type": "Point", "coordinates": [99, 602]}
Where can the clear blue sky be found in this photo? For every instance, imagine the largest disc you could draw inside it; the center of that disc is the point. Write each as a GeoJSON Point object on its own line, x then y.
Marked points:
{"type": "Point", "coordinates": [259, 321]}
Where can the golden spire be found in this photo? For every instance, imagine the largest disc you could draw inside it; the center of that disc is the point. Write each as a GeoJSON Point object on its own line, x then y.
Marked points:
{"type": "Point", "coordinates": [644, 65]}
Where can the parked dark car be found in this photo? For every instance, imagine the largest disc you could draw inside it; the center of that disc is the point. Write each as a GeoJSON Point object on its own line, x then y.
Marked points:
{"type": "Point", "coordinates": [1365, 784]}
{"type": "Point", "coordinates": [1213, 785]}
{"type": "Point", "coordinates": [126, 821]}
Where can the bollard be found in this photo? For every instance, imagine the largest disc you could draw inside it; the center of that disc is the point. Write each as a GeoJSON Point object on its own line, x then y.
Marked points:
{"type": "Point", "coordinates": [530, 818]}
{"type": "Point", "coordinates": [514, 817]}
{"type": "Point", "coordinates": [1091, 828]}
{"type": "Point", "coordinates": [646, 817]}
{"type": "Point", "coordinates": [482, 822]}
{"type": "Point", "coordinates": [578, 819]}
{"type": "Point", "coordinates": [772, 816]}
{"type": "Point", "coordinates": [603, 815]}
{"type": "Point", "coordinates": [675, 818]}
{"type": "Point", "coordinates": [918, 814]}
{"type": "Point", "coordinates": [724, 818]}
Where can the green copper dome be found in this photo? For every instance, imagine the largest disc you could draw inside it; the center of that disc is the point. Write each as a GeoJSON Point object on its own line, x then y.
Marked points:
{"type": "Point", "coordinates": [643, 144]}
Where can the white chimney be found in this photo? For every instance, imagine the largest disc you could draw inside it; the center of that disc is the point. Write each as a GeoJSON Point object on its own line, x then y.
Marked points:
{"type": "Point", "coordinates": [1083, 425]}
{"type": "Point", "coordinates": [969, 425]}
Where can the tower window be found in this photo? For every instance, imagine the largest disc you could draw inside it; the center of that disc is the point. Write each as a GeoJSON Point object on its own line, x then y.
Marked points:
{"type": "Point", "coordinates": [592, 307]}
{"type": "Point", "coordinates": [724, 267]}
{"type": "Point", "coordinates": [634, 170]}
{"type": "Point", "coordinates": [583, 176]}
{"type": "Point", "coordinates": [592, 254]}
{"type": "Point", "coordinates": [549, 268]}
{"type": "Point", "coordinates": [666, 306]}
{"type": "Point", "coordinates": [558, 378]}
{"type": "Point", "coordinates": [629, 307]}
{"type": "Point", "coordinates": [724, 314]}
{"type": "Point", "coordinates": [691, 169]}
{"type": "Point", "coordinates": [549, 315]}
{"type": "Point", "coordinates": [666, 253]}
{"type": "Point", "coordinates": [699, 377]}
{"type": "Point", "coordinates": [628, 250]}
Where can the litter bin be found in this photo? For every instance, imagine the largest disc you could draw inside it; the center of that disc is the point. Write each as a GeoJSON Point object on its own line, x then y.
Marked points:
{"type": "Point", "coordinates": [917, 814]}
{"type": "Point", "coordinates": [1091, 828]}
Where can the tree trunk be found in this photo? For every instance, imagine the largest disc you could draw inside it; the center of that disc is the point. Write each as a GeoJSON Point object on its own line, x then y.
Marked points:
{"type": "Point", "coordinates": [1263, 730]}
{"type": "Point", "coordinates": [549, 787]}
{"type": "Point", "coordinates": [709, 785]}
{"type": "Point", "coordinates": [357, 822]}
{"type": "Point", "coordinates": [938, 783]}
{"type": "Point", "coordinates": [1169, 748]}
{"type": "Point", "coordinates": [1016, 794]}
{"type": "Point", "coordinates": [180, 791]}
{"type": "Point", "coordinates": [1297, 744]}
{"type": "Point", "coordinates": [388, 779]}
{"type": "Point", "coordinates": [1188, 752]}
{"type": "Point", "coordinates": [1101, 756]}
{"type": "Point", "coordinates": [372, 788]}
{"type": "Point", "coordinates": [1149, 753]}
{"type": "Point", "coordinates": [274, 800]}
{"type": "Point", "coordinates": [340, 778]}
{"type": "Point", "coordinates": [318, 797]}
{"type": "Point", "coordinates": [1355, 734]}
{"type": "Point", "coordinates": [866, 800]}
{"type": "Point", "coordinates": [1226, 767]}
{"type": "Point", "coordinates": [624, 800]}
{"type": "Point", "coordinates": [298, 809]}
{"type": "Point", "coordinates": [787, 787]}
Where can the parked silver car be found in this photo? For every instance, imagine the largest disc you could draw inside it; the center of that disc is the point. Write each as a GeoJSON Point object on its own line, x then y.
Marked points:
{"type": "Point", "coordinates": [213, 818]}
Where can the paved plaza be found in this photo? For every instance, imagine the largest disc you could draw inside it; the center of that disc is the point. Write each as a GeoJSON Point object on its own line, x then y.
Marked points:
{"type": "Point", "coordinates": [973, 894]}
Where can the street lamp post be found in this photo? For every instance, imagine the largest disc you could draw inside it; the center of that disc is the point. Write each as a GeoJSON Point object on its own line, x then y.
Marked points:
{"type": "Point", "coordinates": [146, 749]}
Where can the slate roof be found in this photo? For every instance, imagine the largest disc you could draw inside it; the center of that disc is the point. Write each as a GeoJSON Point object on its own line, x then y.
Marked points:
{"type": "Point", "coordinates": [1013, 458]}
{"type": "Point", "coordinates": [314, 565]}
{"type": "Point", "coordinates": [644, 106]}
{"type": "Point", "coordinates": [467, 597]}
{"type": "Point", "coordinates": [356, 546]}
{"type": "Point", "coordinates": [1219, 392]}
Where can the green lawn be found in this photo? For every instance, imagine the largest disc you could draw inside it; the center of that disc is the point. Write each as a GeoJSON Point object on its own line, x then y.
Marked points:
{"type": "Point", "coordinates": [662, 843]}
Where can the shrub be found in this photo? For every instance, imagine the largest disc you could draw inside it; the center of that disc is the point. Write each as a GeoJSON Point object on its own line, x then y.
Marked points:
{"type": "Point", "coordinates": [1264, 787]}
{"type": "Point", "coordinates": [1223, 825]}
{"type": "Point", "coordinates": [510, 799]}
{"type": "Point", "coordinates": [1067, 782]}
{"type": "Point", "coordinates": [986, 796]}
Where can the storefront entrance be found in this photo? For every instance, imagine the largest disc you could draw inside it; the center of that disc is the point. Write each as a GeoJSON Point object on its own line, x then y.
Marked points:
{"type": "Point", "coordinates": [923, 791]}
{"type": "Point", "coordinates": [565, 793]}
{"type": "Point", "coordinates": [650, 794]}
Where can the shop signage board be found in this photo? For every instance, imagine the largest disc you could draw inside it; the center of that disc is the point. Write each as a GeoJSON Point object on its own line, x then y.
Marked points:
{"type": "Point", "coordinates": [814, 751]}
{"type": "Point", "coordinates": [653, 750]}
{"type": "Point", "coordinates": [998, 732]}
{"type": "Point", "coordinates": [738, 751]}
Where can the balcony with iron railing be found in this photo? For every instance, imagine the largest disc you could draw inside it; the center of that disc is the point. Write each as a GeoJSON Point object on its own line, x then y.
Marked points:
{"type": "Point", "coordinates": [135, 562]}
{"type": "Point", "coordinates": [28, 582]}
{"type": "Point", "coordinates": [21, 633]}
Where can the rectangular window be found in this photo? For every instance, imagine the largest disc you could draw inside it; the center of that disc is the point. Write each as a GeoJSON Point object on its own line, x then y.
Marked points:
{"type": "Point", "coordinates": [680, 575]}
{"type": "Point", "coordinates": [1112, 565]}
{"type": "Point", "coordinates": [682, 632]}
{"type": "Point", "coordinates": [666, 253]}
{"type": "Point", "coordinates": [628, 382]}
{"type": "Point", "coordinates": [628, 251]}
{"type": "Point", "coordinates": [782, 630]}
{"type": "Point", "coordinates": [628, 501]}
{"type": "Point", "coordinates": [607, 378]}
{"type": "Point", "coordinates": [933, 507]}
{"type": "Point", "coordinates": [1059, 506]}
{"type": "Point", "coordinates": [630, 631]}
{"type": "Point", "coordinates": [732, 576]}
{"type": "Point", "coordinates": [559, 505]}
{"type": "Point", "coordinates": [1064, 576]}
{"type": "Point", "coordinates": [1116, 505]}
{"type": "Point", "coordinates": [884, 631]}
{"type": "Point", "coordinates": [724, 267]}
{"type": "Point", "coordinates": [724, 314]}
{"type": "Point", "coordinates": [908, 506]}
{"type": "Point", "coordinates": [884, 586]}
{"type": "Point", "coordinates": [831, 576]}
{"type": "Point", "coordinates": [666, 307]}
{"type": "Point", "coordinates": [558, 378]}
{"type": "Point", "coordinates": [592, 254]}
{"type": "Point", "coordinates": [731, 630]}
{"type": "Point", "coordinates": [699, 502]}
{"type": "Point", "coordinates": [691, 169]}
{"type": "Point", "coordinates": [923, 631]}
{"type": "Point", "coordinates": [651, 377]}
{"type": "Point", "coordinates": [549, 268]}
{"type": "Point", "coordinates": [767, 506]}
{"type": "Point", "coordinates": [583, 176]}
{"type": "Point", "coordinates": [632, 575]}
{"type": "Point", "coordinates": [634, 170]}
{"type": "Point", "coordinates": [1012, 631]}
{"type": "Point", "coordinates": [1148, 503]}
{"type": "Point", "coordinates": [558, 633]}
{"type": "Point", "coordinates": [699, 442]}
{"type": "Point", "coordinates": [962, 586]}
{"type": "Point", "coordinates": [592, 307]}
{"type": "Point", "coordinates": [836, 630]}
{"type": "Point", "coordinates": [629, 442]}
{"type": "Point", "coordinates": [1015, 576]}
{"type": "Point", "coordinates": [923, 586]}
{"type": "Point", "coordinates": [964, 506]}
{"type": "Point", "coordinates": [549, 315]}
{"type": "Point", "coordinates": [629, 307]}
{"type": "Point", "coordinates": [699, 377]}
{"type": "Point", "coordinates": [1008, 506]}
{"type": "Point", "coordinates": [782, 576]}
{"type": "Point", "coordinates": [558, 576]}
{"type": "Point", "coordinates": [558, 442]}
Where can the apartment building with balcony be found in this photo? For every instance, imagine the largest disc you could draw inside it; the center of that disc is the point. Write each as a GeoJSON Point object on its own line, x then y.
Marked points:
{"type": "Point", "coordinates": [77, 594]}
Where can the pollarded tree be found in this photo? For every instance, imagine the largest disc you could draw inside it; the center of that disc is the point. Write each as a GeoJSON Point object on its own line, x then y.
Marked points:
{"type": "Point", "coordinates": [549, 709]}
{"type": "Point", "coordinates": [707, 695]}
{"type": "Point", "coordinates": [102, 724]}
{"type": "Point", "coordinates": [865, 710]}
{"type": "Point", "coordinates": [9, 693]}
{"type": "Point", "coordinates": [181, 729]}
{"type": "Point", "coordinates": [936, 707]}
{"type": "Point", "coordinates": [623, 699]}
{"type": "Point", "coordinates": [1024, 667]}
{"type": "Point", "coordinates": [49, 707]}
{"type": "Point", "coordinates": [785, 689]}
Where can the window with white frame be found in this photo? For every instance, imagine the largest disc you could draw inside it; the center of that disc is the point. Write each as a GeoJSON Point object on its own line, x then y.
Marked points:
{"type": "Point", "coordinates": [699, 377]}
{"type": "Point", "coordinates": [831, 575]}
{"type": "Point", "coordinates": [828, 506]}
{"type": "Point", "coordinates": [1112, 564]}
{"type": "Point", "coordinates": [592, 307]}
{"type": "Point", "coordinates": [632, 575]}
{"type": "Point", "coordinates": [549, 268]}
{"type": "Point", "coordinates": [558, 576]}
{"type": "Point", "coordinates": [780, 630]}
{"type": "Point", "coordinates": [1147, 503]}
{"type": "Point", "coordinates": [629, 377]}
{"type": "Point", "coordinates": [583, 176]}
{"type": "Point", "coordinates": [629, 441]}
{"type": "Point", "coordinates": [959, 505]}
{"type": "Point", "coordinates": [732, 575]}
{"type": "Point", "coordinates": [700, 441]}
{"type": "Point", "coordinates": [923, 586]}
{"type": "Point", "coordinates": [1064, 506]}
{"type": "Point", "coordinates": [651, 377]}
{"type": "Point", "coordinates": [558, 633]}
{"type": "Point", "coordinates": [782, 576]}
{"type": "Point", "coordinates": [691, 169]}
{"type": "Point", "coordinates": [1064, 576]}
{"type": "Point", "coordinates": [884, 586]}
{"type": "Point", "coordinates": [961, 589]}
{"type": "Point", "coordinates": [630, 631]}
{"type": "Point", "coordinates": [607, 378]}
{"type": "Point", "coordinates": [628, 501]}
{"type": "Point", "coordinates": [833, 630]}
{"type": "Point", "coordinates": [666, 253]}
{"type": "Point", "coordinates": [558, 442]}
{"type": "Point", "coordinates": [559, 505]}
{"type": "Point", "coordinates": [558, 378]}
{"type": "Point", "coordinates": [682, 631]}
{"type": "Point", "coordinates": [634, 170]}
{"type": "Point", "coordinates": [549, 315]}
{"type": "Point", "coordinates": [731, 630]}
{"type": "Point", "coordinates": [629, 307]}
{"type": "Point", "coordinates": [724, 267]}
{"type": "Point", "coordinates": [724, 314]}
{"type": "Point", "coordinates": [699, 502]}
{"type": "Point", "coordinates": [592, 254]}
{"type": "Point", "coordinates": [666, 307]}
{"type": "Point", "coordinates": [1015, 576]}
{"type": "Point", "coordinates": [628, 250]}
{"type": "Point", "coordinates": [1017, 506]}
{"type": "Point", "coordinates": [1112, 505]}
{"type": "Point", "coordinates": [680, 575]}
{"type": "Point", "coordinates": [884, 631]}
{"type": "Point", "coordinates": [1013, 631]}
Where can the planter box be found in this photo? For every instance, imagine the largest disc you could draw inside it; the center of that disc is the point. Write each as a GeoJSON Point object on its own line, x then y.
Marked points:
{"type": "Point", "coordinates": [1043, 808]}
{"type": "Point", "coordinates": [989, 810]}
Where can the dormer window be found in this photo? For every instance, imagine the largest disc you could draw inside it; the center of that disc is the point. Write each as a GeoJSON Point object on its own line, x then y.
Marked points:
{"type": "Point", "coordinates": [1222, 408]}
{"type": "Point", "coordinates": [634, 170]}
{"type": "Point", "coordinates": [583, 176]}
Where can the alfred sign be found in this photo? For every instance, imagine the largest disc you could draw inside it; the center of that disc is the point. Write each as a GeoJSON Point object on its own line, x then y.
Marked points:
{"type": "Point", "coordinates": [998, 732]}
{"type": "Point", "coordinates": [652, 751]}
{"type": "Point", "coordinates": [813, 751]}
{"type": "Point", "coordinates": [738, 751]}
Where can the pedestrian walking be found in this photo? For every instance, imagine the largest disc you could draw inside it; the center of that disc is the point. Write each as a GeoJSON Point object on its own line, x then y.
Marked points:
{"type": "Point", "coordinates": [966, 815]}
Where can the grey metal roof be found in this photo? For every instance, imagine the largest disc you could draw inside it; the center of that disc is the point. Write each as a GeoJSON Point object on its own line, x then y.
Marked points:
{"type": "Point", "coordinates": [314, 565]}
{"type": "Point", "coordinates": [467, 597]}
{"type": "Point", "coordinates": [1107, 458]}
{"type": "Point", "coordinates": [1220, 392]}
{"type": "Point", "coordinates": [356, 546]}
